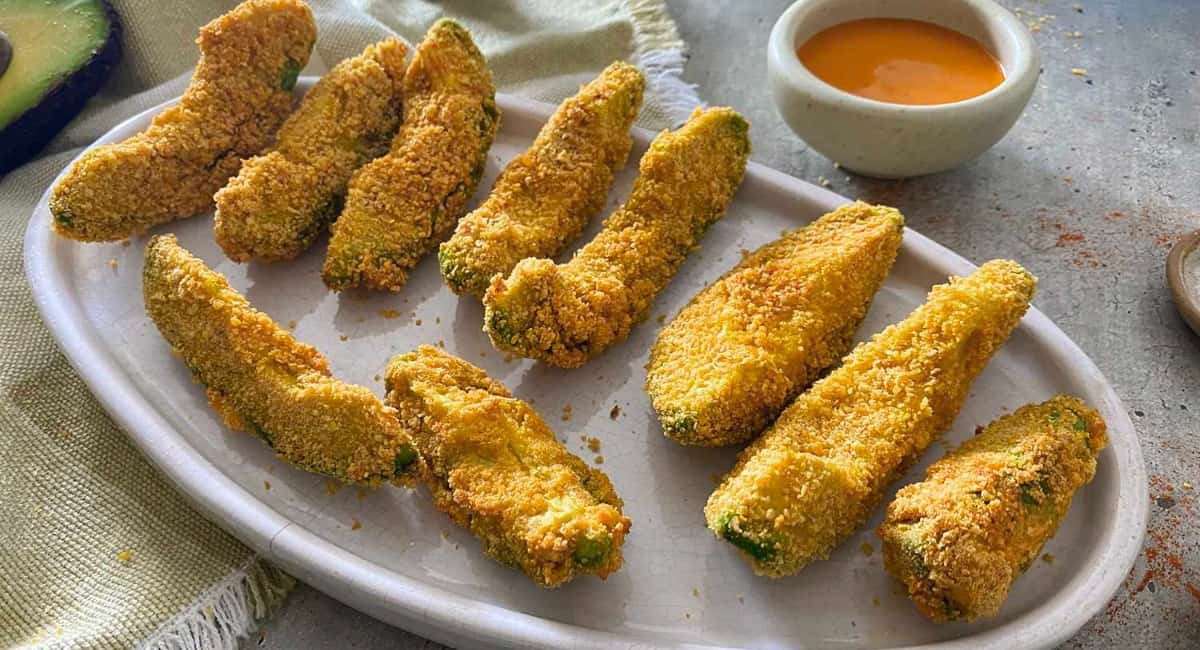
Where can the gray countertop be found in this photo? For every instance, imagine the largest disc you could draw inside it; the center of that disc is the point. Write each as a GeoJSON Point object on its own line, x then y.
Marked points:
{"type": "Point", "coordinates": [1088, 191]}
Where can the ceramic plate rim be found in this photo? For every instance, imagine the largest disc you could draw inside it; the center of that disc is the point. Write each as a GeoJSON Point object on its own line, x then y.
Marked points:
{"type": "Point", "coordinates": [458, 620]}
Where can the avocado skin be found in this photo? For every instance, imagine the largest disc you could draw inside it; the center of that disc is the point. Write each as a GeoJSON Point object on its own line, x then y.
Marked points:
{"type": "Point", "coordinates": [29, 133]}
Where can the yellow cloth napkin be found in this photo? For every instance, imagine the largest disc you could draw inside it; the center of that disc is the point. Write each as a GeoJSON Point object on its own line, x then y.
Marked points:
{"type": "Point", "coordinates": [96, 548]}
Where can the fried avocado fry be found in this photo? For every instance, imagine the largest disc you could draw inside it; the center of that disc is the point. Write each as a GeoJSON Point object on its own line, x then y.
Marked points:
{"type": "Point", "coordinates": [496, 468]}
{"type": "Point", "coordinates": [566, 314]}
{"type": "Point", "coordinates": [261, 380]}
{"type": "Point", "coordinates": [744, 347]}
{"type": "Point", "coordinates": [401, 205]}
{"type": "Point", "coordinates": [239, 95]}
{"type": "Point", "coordinates": [958, 539]}
{"type": "Point", "coordinates": [281, 200]}
{"type": "Point", "coordinates": [545, 196]}
{"type": "Point", "coordinates": [813, 478]}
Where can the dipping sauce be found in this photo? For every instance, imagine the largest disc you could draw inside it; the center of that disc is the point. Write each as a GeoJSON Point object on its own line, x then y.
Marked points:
{"type": "Point", "coordinates": [901, 61]}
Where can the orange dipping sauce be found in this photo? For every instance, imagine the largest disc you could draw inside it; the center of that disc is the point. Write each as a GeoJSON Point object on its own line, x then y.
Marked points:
{"type": "Point", "coordinates": [901, 61]}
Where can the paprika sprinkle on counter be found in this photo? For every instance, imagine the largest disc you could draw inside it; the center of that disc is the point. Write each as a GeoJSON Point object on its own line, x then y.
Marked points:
{"type": "Point", "coordinates": [901, 61]}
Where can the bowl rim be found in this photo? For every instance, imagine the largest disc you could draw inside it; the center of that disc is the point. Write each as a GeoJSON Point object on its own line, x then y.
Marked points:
{"type": "Point", "coordinates": [1185, 296]}
{"type": "Point", "coordinates": [1026, 67]}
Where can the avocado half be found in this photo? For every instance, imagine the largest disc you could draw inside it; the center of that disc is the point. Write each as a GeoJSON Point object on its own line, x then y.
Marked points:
{"type": "Point", "coordinates": [58, 54]}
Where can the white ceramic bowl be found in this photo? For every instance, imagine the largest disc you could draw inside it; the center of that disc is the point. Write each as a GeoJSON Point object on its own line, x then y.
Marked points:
{"type": "Point", "coordinates": [888, 140]}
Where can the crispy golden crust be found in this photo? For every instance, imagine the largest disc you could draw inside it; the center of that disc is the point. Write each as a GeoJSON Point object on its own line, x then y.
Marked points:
{"type": "Point", "coordinates": [496, 468]}
{"type": "Point", "coordinates": [280, 201]}
{"type": "Point", "coordinates": [401, 205]}
{"type": "Point", "coordinates": [545, 196]}
{"type": "Point", "coordinates": [239, 95]}
{"type": "Point", "coordinates": [262, 380]}
{"type": "Point", "coordinates": [958, 539]}
{"type": "Point", "coordinates": [566, 314]}
{"type": "Point", "coordinates": [813, 478]}
{"type": "Point", "coordinates": [748, 344]}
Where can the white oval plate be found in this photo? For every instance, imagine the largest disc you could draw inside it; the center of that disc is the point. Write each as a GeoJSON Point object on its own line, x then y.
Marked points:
{"type": "Point", "coordinates": [409, 565]}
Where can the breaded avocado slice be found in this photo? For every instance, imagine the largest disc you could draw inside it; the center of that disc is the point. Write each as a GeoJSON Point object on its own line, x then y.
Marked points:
{"type": "Point", "coordinates": [280, 201]}
{"type": "Point", "coordinates": [544, 197]}
{"type": "Point", "coordinates": [567, 314]}
{"type": "Point", "coordinates": [261, 380]}
{"type": "Point", "coordinates": [746, 345]}
{"type": "Point", "coordinates": [497, 469]}
{"type": "Point", "coordinates": [1000, 496]}
{"type": "Point", "coordinates": [813, 478]}
{"type": "Point", "coordinates": [240, 93]}
{"type": "Point", "coordinates": [401, 205]}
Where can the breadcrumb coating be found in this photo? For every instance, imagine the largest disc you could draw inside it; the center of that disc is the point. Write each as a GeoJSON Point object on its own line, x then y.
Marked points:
{"type": "Point", "coordinates": [281, 200]}
{"type": "Point", "coordinates": [544, 197]}
{"type": "Point", "coordinates": [958, 539]}
{"type": "Point", "coordinates": [566, 314]}
{"type": "Point", "coordinates": [401, 205]}
{"type": "Point", "coordinates": [813, 478]}
{"type": "Point", "coordinates": [261, 380]}
{"type": "Point", "coordinates": [496, 468]}
{"type": "Point", "coordinates": [239, 95]}
{"type": "Point", "coordinates": [744, 347]}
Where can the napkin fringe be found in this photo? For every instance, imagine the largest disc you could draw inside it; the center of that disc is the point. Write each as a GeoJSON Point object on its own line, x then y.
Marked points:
{"type": "Point", "coordinates": [662, 54]}
{"type": "Point", "coordinates": [227, 611]}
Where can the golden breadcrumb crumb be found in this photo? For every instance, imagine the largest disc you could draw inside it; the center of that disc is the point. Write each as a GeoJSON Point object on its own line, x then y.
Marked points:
{"type": "Point", "coordinates": [544, 197]}
{"type": "Point", "coordinates": [401, 205]}
{"type": "Point", "coordinates": [125, 556]}
{"type": "Point", "coordinates": [813, 478]}
{"type": "Point", "coordinates": [262, 380]}
{"type": "Point", "coordinates": [280, 201]}
{"type": "Point", "coordinates": [496, 468]}
{"type": "Point", "coordinates": [744, 347]}
{"type": "Point", "coordinates": [566, 314]}
{"type": "Point", "coordinates": [958, 539]}
{"type": "Point", "coordinates": [239, 95]}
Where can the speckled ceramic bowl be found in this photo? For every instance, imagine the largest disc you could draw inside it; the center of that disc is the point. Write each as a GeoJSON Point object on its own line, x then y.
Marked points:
{"type": "Point", "coordinates": [888, 140]}
{"type": "Point", "coordinates": [1183, 277]}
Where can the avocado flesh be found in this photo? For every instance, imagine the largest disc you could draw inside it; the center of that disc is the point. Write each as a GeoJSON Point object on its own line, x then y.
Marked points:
{"type": "Point", "coordinates": [62, 51]}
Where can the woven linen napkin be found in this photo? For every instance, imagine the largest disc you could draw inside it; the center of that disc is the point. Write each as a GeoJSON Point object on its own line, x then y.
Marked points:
{"type": "Point", "coordinates": [96, 548]}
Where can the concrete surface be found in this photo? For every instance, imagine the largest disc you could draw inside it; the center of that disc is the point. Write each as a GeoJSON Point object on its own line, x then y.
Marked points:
{"type": "Point", "coordinates": [1088, 191]}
